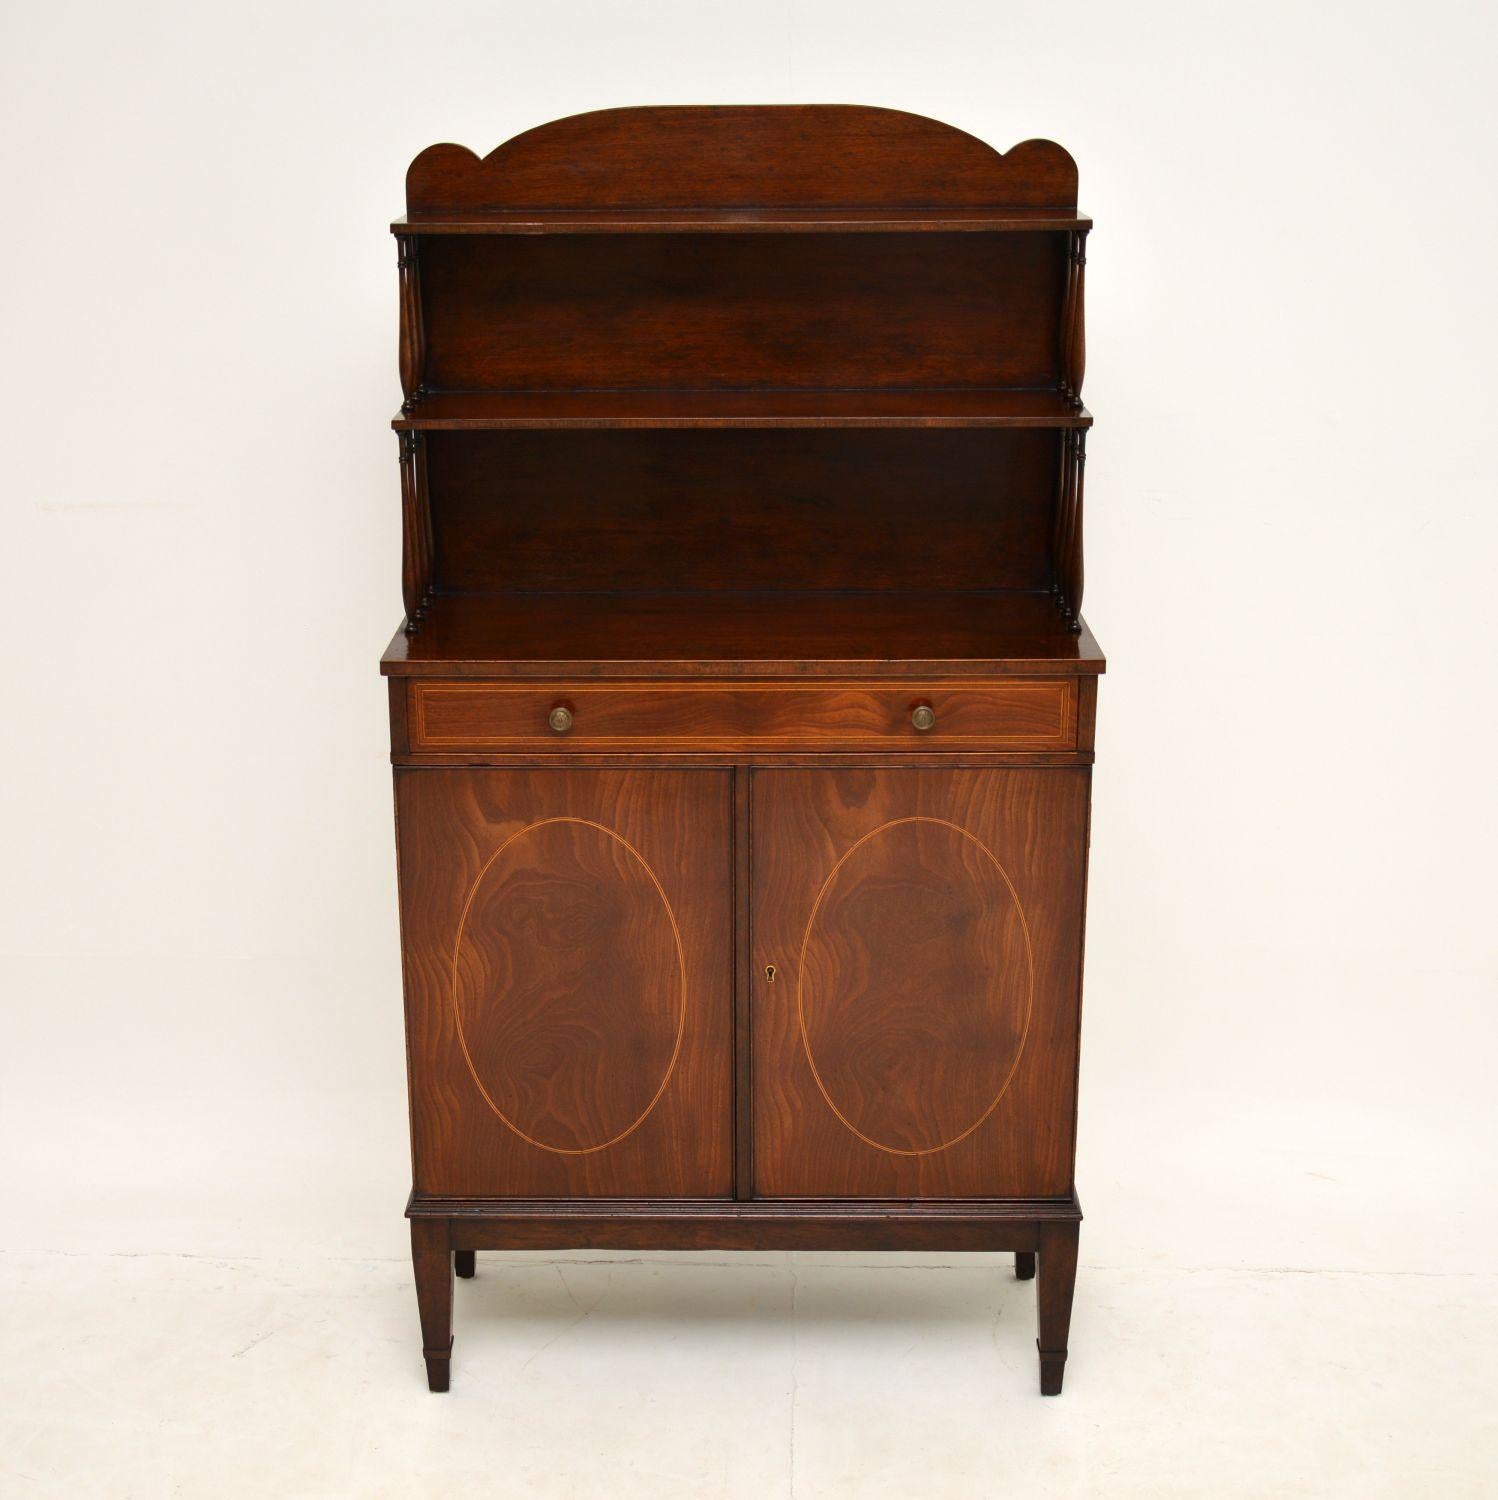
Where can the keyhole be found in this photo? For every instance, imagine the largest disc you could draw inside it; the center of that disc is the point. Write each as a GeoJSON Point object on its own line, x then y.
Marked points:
{"type": "Point", "coordinates": [769, 973]}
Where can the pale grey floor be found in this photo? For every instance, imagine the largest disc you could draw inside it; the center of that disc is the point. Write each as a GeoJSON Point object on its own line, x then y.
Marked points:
{"type": "Point", "coordinates": [753, 1376]}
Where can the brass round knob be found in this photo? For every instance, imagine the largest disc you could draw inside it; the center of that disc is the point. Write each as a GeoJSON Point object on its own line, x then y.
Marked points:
{"type": "Point", "coordinates": [560, 718]}
{"type": "Point", "coordinates": [923, 717]}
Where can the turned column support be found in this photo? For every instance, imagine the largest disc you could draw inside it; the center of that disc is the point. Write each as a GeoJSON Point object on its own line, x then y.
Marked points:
{"type": "Point", "coordinates": [1074, 318]}
{"type": "Point", "coordinates": [416, 531]}
{"type": "Point", "coordinates": [412, 332]}
{"type": "Point", "coordinates": [1066, 528]}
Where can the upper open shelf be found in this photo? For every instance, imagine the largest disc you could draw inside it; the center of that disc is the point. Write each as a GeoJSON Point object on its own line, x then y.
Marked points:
{"type": "Point", "coordinates": [741, 221]}
{"type": "Point", "coordinates": [459, 411]}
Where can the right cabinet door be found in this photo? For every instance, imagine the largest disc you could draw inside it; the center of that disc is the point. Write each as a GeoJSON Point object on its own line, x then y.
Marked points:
{"type": "Point", "coordinates": [917, 945]}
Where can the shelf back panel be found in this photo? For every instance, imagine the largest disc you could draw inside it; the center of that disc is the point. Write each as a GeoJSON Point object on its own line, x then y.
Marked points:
{"type": "Point", "coordinates": [737, 510]}
{"type": "Point", "coordinates": [746, 312]}
{"type": "Point", "coordinates": [804, 155]}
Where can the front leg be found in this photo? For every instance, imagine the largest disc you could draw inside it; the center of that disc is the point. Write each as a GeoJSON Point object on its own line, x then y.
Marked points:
{"type": "Point", "coordinates": [432, 1256]}
{"type": "Point", "coordinates": [1057, 1253]}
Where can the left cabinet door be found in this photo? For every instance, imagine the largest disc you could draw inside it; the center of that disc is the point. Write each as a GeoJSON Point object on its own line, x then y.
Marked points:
{"type": "Point", "coordinates": [568, 950]}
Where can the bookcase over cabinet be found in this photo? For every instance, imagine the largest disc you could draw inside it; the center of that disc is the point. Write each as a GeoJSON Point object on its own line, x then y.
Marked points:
{"type": "Point", "coordinates": [659, 271]}
{"type": "Point", "coordinates": [743, 712]}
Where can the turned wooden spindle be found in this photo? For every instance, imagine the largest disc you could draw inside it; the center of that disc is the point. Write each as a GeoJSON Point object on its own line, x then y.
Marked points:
{"type": "Point", "coordinates": [1075, 358]}
{"type": "Point", "coordinates": [412, 582]}
{"type": "Point", "coordinates": [1072, 571]}
{"type": "Point", "coordinates": [424, 544]}
{"type": "Point", "coordinates": [412, 335]}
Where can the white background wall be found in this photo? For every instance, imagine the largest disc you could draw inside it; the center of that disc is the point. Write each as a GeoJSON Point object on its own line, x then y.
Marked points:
{"type": "Point", "coordinates": [1290, 1001]}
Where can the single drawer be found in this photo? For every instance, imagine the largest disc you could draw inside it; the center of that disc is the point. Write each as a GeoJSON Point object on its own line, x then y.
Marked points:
{"type": "Point", "coordinates": [1012, 714]}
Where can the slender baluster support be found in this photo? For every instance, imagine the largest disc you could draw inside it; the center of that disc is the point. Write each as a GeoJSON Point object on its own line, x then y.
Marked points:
{"type": "Point", "coordinates": [413, 335]}
{"type": "Point", "coordinates": [1068, 318]}
{"type": "Point", "coordinates": [1073, 577]}
{"type": "Point", "coordinates": [1066, 529]}
{"type": "Point", "coordinates": [415, 580]}
{"type": "Point", "coordinates": [424, 551]}
{"type": "Point", "coordinates": [1074, 361]}
{"type": "Point", "coordinates": [1058, 517]}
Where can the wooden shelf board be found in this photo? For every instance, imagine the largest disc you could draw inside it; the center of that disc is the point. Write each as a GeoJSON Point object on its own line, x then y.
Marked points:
{"type": "Point", "coordinates": [723, 634]}
{"type": "Point", "coordinates": [742, 221]}
{"type": "Point", "coordinates": [456, 411]}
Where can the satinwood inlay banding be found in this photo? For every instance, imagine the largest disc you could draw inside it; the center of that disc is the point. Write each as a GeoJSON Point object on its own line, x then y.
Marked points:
{"type": "Point", "coordinates": [556, 986]}
{"type": "Point", "coordinates": [908, 985]}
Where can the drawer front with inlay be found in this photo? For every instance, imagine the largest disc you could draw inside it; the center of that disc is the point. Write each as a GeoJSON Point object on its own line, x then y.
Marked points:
{"type": "Point", "coordinates": [1019, 714]}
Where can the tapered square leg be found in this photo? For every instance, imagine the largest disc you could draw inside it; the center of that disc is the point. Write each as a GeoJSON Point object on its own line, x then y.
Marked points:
{"type": "Point", "coordinates": [1057, 1253]}
{"type": "Point", "coordinates": [464, 1263]}
{"type": "Point", "coordinates": [1024, 1265]}
{"type": "Point", "coordinates": [432, 1257]}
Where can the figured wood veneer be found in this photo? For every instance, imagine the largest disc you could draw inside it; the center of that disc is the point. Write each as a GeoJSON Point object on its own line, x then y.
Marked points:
{"type": "Point", "coordinates": [917, 952]}
{"type": "Point", "coordinates": [569, 948]}
{"type": "Point", "coordinates": [569, 959]}
{"type": "Point", "coordinates": [919, 1039]}
{"type": "Point", "coordinates": [1015, 714]}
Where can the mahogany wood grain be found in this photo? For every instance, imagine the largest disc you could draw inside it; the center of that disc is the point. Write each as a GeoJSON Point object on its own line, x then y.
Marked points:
{"type": "Point", "coordinates": [1086, 713]}
{"type": "Point", "coordinates": [744, 156]}
{"type": "Point", "coordinates": [728, 634]}
{"type": "Point", "coordinates": [613, 512]}
{"type": "Point", "coordinates": [743, 985]}
{"type": "Point", "coordinates": [1015, 713]}
{"type": "Point", "coordinates": [743, 312]}
{"type": "Point", "coordinates": [919, 1037]}
{"type": "Point", "coordinates": [568, 950]}
{"type": "Point", "coordinates": [1057, 1257]}
{"type": "Point", "coordinates": [432, 1259]}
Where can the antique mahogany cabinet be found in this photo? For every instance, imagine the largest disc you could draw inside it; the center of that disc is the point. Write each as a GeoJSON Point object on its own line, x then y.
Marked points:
{"type": "Point", "coordinates": [742, 714]}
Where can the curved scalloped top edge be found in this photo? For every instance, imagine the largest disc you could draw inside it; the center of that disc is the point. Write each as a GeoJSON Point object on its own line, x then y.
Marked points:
{"type": "Point", "coordinates": [742, 156]}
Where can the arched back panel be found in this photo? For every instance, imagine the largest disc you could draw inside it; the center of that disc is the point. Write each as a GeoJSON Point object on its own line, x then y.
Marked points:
{"type": "Point", "coordinates": [782, 156]}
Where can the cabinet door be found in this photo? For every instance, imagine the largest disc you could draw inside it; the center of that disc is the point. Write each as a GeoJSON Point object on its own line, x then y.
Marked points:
{"type": "Point", "coordinates": [568, 959]}
{"type": "Point", "coordinates": [919, 1036]}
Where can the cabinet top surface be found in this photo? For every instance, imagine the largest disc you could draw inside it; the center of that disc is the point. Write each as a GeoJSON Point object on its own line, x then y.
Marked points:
{"type": "Point", "coordinates": [740, 634]}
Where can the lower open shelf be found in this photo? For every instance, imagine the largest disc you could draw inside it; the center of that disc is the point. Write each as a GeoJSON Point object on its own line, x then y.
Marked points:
{"type": "Point", "coordinates": [719, 633]}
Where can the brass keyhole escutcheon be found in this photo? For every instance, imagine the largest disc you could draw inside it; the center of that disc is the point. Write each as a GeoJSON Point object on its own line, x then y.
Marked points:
{"type": "Point", "coordinates": [769, 973]}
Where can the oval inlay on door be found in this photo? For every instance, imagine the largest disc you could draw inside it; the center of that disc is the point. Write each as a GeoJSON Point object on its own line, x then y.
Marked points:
{"type": "Point", "coordinates": [915, 986]}
{"type": "Point", "coordinates": [569, 986]}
